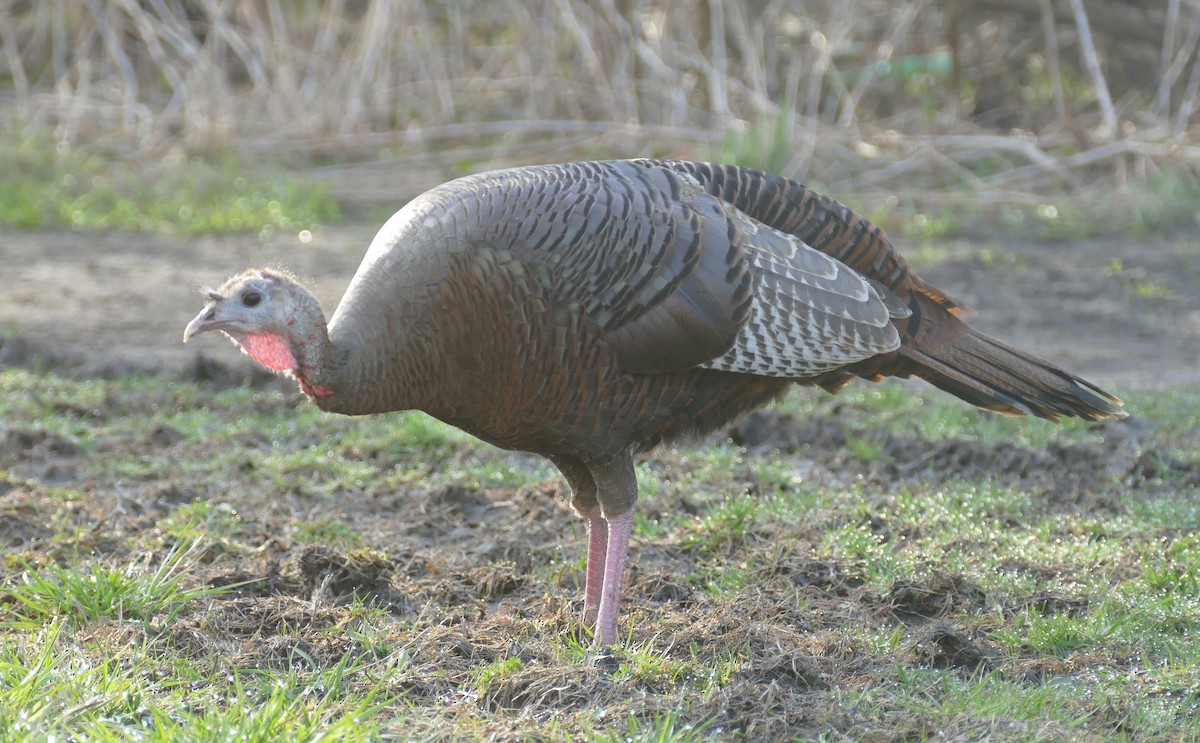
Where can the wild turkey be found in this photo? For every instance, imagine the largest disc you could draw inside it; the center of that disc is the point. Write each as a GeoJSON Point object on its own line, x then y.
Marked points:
{"type": "Point", "coordinates": [588, 311]}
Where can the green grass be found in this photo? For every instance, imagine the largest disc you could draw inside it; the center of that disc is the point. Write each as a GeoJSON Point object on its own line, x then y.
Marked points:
{"type": "Point", "coordinates": [53, 686]}
{"type": "Point", "coordinates": [47, 186]}
{"type": "Point", "coordinates": [722, 527]}
{"type": "Point", "coordinates": [219, 523]}
{"type": "Point", "coordinates": [84, 594]}
{"type": "Point", "coordinates": [663, 728]}
{"type": "Point", "coordinates": [942, 699]}
{"type": "Point", "coordinates": [327, 531]}
{"type": "Point", "coordinates": [489, 676]}
{"type": "Point", "coordinates": [187, 615]}
{"type": "Point", "coordinates": [307, 712]}
{"type": "Point", "coordinates": [766, 145]}
{"type": "Point", "coordinates": [1159, 204]}
{"type": "Point", "coordinates": [654, 668]}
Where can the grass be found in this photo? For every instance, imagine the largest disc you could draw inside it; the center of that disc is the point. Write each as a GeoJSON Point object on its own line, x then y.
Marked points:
{"type": "Point", "coordinates": [765, 146]}
{"type": "Point", "coordinates": [826, 579]}
{"type": "Point", "coordinates": [947, 700]}
{"type": "Point", "coordinates": [94, 593]}
{"type": "Point", "coordinates": [489, 676]}
{"type": "Point", "coordinates": [44, 185]}
{"type": "Point", "coordinates": [1159, 204]}
{"type": "Point", "coordinates": [665, 728]}
{"type": "Point", "coordinates": [55, 686]}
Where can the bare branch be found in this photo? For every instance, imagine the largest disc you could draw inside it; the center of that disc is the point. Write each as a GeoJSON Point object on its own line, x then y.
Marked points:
{"type": "Point", "coordinates": [1050, 32]}
{"type": "Point", "coordinates": [1165, 80]}
{"type": "Point", "coordinates": [1099, 85]}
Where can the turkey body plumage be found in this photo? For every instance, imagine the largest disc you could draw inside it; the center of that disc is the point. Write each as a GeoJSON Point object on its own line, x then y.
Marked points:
{"type": "Point", "coordinates": [587, 311]}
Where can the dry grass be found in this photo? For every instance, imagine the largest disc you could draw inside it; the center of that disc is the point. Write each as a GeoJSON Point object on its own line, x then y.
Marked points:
{"type": "Point", "coordinates": [996, 99]}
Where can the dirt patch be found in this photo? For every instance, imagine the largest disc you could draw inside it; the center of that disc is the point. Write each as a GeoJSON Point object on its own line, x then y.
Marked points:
{"type": "Point", "coordinates": [822, 575]}
{"type": "Point", "coordinates": [104, 305]}
{"type": "Point", "coordinates": [937, 596]}
{"type": "Point", "coordinates": [53, 459]}
{"type": "Point", "coordinates": [21, 522]}
{"type": "Point", "coordinates": [942, 646]}
{"type": "Point", "coordinates": [278, 632]}
{"type": "Point", "coordinates": [1069, 473]}
{"type": "Point", "coordinates": [100, 304]}
{"type": "Point", "coordinates": [1063, 301]}
{"type": "Point", "coordinates": [334, 575]}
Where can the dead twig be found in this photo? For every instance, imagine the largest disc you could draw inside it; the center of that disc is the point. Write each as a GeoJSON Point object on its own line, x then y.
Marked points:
{"type": "Point", "coordinates": [1050, 32]}
{"type": "Point", "coordinates": [1099, 85]}
{"type": "Point", "coordinates": [1165, 80]}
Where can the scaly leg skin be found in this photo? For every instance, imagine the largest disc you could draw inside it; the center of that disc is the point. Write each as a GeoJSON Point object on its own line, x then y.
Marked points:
{"type": "Point", "coordinates": [596, 558]}
{"type": "Point", "coordinates": [619, 529]}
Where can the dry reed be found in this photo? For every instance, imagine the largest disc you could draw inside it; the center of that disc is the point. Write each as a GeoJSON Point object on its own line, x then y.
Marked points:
{"type": "Point", "coordinates": [862, 91]}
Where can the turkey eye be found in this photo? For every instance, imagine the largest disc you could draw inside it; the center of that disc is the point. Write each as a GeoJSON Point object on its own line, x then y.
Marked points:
{"type": "Point", "coordinates": [251, 299]}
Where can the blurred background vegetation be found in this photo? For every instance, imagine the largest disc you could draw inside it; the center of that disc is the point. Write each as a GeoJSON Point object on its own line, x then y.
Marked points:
{"type": "Point", "coordinates": [1042, 111]}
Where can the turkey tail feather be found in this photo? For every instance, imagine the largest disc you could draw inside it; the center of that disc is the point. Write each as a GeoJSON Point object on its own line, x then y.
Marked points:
{"type": "Point", "coordinates": [995, 376]}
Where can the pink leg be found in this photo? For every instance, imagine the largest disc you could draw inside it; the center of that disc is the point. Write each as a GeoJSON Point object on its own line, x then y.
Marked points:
{"type": "Point", "coordinates": [597, 552]}
{"type": "Point", "coordinates": [619, 529]}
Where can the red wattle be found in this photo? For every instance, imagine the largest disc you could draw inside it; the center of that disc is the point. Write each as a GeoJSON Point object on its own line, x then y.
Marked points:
{"type": "Point", "coordinates": [268, 349]}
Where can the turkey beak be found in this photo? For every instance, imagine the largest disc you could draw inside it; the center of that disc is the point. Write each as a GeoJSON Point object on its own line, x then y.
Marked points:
{"type": "Point", "coordinates": [205, 321]}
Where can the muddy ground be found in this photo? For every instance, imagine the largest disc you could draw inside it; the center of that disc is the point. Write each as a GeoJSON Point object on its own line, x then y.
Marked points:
{"type": "Point", "coordinates": [113, 304]}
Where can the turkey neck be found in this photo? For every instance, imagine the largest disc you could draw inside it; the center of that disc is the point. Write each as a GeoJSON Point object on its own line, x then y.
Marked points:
{"type": "Point", "coordinates": [381, 351]}
{"type": "Point", "coordinates": [361, 369]}
{"type": "Point", "coordinates": [316, 359]}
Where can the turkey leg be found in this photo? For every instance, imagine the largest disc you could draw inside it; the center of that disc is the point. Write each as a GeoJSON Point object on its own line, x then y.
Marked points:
{"type": "Point", "coordinates": [619, 529]}
{"type": "Point", "coordinates": [616, 489]}
{"type": "Point", "coordinates": [596, 560]}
